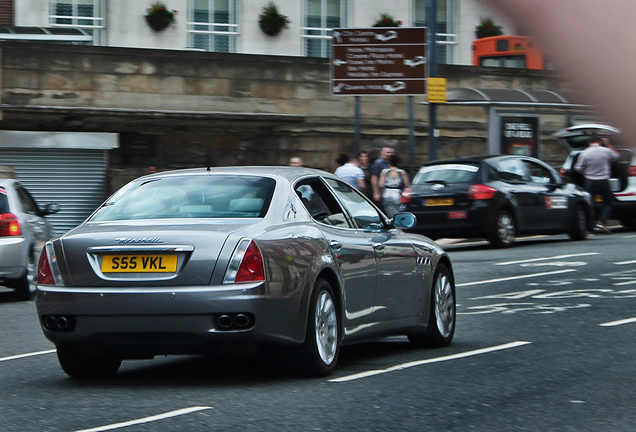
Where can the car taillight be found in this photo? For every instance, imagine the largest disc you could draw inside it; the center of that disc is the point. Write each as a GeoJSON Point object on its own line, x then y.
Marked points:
{"type": "Point", "coordinates": [48, 269]}
{"type": "Point", "coordinates": [246, 264]}
{"type": "Point", "coordinates": [406, 196]}
{"type": "Point", "coordinates": [9, 225]}
{"type": "Point", "coordinates": [632, 170]}
{"type": "Point", "coordinates": [563, 172]}
{"type": "Point", "coordinates": [45, 275]}
{"type": "Point", "coordinates": [481, 192]}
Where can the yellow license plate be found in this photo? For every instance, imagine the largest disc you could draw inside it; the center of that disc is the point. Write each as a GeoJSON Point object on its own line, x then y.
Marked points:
{"type": "Point", "coordinates": [440, 201]}
{"type": "Point", "coordinates": [139, 263]}
{"type": "Point", "coordinates": [598, 198]}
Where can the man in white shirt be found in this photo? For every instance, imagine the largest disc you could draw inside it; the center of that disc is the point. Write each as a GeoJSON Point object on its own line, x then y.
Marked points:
{"type": "Point", "coordinates": [595, 163]}
{"type": "Point", "coordinates": [350, 172]}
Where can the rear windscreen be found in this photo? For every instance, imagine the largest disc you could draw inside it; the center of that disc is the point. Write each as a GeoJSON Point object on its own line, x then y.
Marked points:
{"type": "Point", "coordinates": [4, 201]}
{"type": "Point", "coordinates": [215, 196]}
{"type": "Point", "coordinates": [447, 173]}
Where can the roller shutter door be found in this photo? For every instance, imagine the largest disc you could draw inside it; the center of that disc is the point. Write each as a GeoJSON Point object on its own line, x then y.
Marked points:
{"type": "Point", "coordinates": [73, 178]}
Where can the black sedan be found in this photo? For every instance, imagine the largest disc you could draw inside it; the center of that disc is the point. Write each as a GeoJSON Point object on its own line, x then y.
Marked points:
{"type": "Point", "coordinates": [496, 197]}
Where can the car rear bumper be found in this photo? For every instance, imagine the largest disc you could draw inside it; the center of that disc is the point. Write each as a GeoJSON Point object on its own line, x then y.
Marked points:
{"type": "Point", "coordinates": [474, 221]}
{"type": "Point", "coordinates": [13, 253]}
{"type": "Point", "coordinates": [168, 321]}
{"type": "Point", "coordinates": [624, 208]}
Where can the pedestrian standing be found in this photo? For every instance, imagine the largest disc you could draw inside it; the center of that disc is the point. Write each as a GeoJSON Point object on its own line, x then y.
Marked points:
{"type": "Point", "coordinates": [295, 161]}
{"type": "Point", "coordinates": [350, 172]}
{"type": "Point", "coordinates": [392, 182]}
{"type": "Point", "coordinates": [378, 166]}
{"type": "Point", "coordinates": [365, 166]}
{"type": "Point", "coordinates": [595, 163]}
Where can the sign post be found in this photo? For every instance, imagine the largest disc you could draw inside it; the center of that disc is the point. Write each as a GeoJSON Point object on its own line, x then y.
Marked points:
{"type": "Point", "coordinates": [379, 61]}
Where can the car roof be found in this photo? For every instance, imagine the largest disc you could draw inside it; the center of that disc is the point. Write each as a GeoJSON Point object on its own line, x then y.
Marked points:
{"type": "Point", "coordinates": [474, 159]}
{"type": "Point", "coordinates": [7, 182]}
{"type": "Point", "coordinates": [289, 173]}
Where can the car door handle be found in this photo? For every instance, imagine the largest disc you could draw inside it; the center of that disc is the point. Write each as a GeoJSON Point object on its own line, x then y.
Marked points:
{"type": "Point", "coordinates": [336, 246]}
{"type": "Point", "coordinates": [379, 247]}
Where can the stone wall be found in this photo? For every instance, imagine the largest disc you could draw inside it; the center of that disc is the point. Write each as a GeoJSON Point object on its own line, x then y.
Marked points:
{"type": "Point", "coordinates": [193, 108]}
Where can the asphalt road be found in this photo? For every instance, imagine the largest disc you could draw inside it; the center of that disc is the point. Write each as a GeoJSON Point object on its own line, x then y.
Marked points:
{"type": "Point", "coordinates": [544, 343]}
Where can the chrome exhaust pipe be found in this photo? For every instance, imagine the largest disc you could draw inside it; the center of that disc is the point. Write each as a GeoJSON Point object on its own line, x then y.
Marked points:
{"type": "Point", "coordinates": [62, 323]}
{"type": "Point", "coordinates": [225, 321]}
{"type": "Point", "coordinates": [50, 323]}
{"type": "Point", "coordinates": [241, 320]}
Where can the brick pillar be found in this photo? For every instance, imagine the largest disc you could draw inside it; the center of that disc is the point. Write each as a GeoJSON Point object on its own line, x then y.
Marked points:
{"type": "Point", "coordinates": [6, 12]}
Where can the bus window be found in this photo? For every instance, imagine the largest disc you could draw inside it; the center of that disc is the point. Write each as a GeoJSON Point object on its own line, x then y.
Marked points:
{"type": "Point", "coordinates": [507, 51]}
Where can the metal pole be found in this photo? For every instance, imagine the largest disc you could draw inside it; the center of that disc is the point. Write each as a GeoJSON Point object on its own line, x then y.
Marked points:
{"type": "Point", "coordinates": [356, 143]}
{"type": "Point", "coordinates": [411, 137]}
{"type": "Point", "coordinates": [431, 23]}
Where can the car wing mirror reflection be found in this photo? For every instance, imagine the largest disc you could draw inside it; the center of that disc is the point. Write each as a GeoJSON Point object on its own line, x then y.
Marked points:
{"type": "Point", "coordinates": [404, 220]}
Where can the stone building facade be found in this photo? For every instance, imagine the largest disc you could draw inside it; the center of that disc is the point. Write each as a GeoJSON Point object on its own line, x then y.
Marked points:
{"type": "Point", "coordinates": [177, 109]}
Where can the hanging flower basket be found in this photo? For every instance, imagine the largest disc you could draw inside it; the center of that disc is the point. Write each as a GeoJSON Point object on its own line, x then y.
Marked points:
{"type": "Point", "coordinates": [387, 20]}
{"type": "Point", "coordinates": [271, 21]}
{"type": "Point", "coordinates": [159, 17]}
{"type": "Point", "coordinates": [487, 28]}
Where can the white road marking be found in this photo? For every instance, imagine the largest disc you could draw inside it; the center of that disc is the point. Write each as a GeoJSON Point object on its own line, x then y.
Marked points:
{"type": "Point", "coordinates": [516, 277]}
{"type": "Point", "coordinates": [147, 419]}
{"type": "Point", "coordinates": [626, 262]}
{"type": "Point", "coordinates": [547, 258]}
{"type": "Point", "coordinates": [511, 296]}
{"type": "Point", "coordinates": [19, 356]}
{"type": "Point", "coordinates": [555, 264]}
{"type": "Point", "coordinates": [625, 283]}
{"type": "Point", "coordinates": [619, 322]}
{"type": "Point", "coordinates": [402, 366]}
{"type": "Point", "coordinates": [511, 308]}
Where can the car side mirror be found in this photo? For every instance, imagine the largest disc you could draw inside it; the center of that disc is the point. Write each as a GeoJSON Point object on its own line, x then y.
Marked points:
{"type": "Point", "coordinates": [51, 208]}
{"type": "Point", "coordinates": [404, 220]}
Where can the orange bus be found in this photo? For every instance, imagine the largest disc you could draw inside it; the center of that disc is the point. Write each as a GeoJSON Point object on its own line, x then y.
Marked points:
{"type": "Point", "coordinates": [508, 51]}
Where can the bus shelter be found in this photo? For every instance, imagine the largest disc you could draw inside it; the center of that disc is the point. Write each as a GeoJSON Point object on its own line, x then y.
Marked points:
{"type": "Point", "coordinates": [512, 124]}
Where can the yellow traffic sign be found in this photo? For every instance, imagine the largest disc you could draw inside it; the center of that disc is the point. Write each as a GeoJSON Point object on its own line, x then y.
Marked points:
{"type": "Point", "coordinates": [436, 90]}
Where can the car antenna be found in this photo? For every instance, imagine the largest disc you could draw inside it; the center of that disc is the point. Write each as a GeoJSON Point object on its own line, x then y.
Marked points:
{"type": "Point", "coordinates": [207, 163]}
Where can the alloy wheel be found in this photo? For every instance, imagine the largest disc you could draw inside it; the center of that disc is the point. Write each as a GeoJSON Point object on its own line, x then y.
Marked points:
{"type": "Point", "coordinates": [326, 325]}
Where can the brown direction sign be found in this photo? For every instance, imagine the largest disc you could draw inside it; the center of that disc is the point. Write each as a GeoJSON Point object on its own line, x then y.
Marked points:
{"type": "Point", "coordinates": [378, 61]}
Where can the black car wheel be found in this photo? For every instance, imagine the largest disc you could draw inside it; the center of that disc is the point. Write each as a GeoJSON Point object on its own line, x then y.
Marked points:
{"type": "Point", "coordinates": [441, 320]}
{"type": "Point", "coordinates": [504, 233]}
{"type": "Point", "coordinates": [578, 229]}
{"type": "Point", "coordinates": [24, 286]}
{"type": "Point", "coordinates": [319, 353]}
{"type": "Point", "coordinates": [79, 363]}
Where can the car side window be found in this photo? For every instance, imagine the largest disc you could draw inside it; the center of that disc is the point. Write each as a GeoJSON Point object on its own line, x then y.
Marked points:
{"type": "Point", "coordinates": [539, 174]}
{"type": "Point", "coordinates": [320, 203]}
{"type": "Point", "coordinates": [365, 216]}
{"type": "Point", "coordinates": [27, 201]}
{"type": "Point", "coordinates": [4, 202]}
{"type": "Point", "coordinates": [511, 170]}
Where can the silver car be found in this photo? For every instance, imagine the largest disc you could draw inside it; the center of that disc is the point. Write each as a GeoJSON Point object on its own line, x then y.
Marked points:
{"type": "Point", "coordinates": [183, 262]}
{"type": "Point", "coordinates": [623, 171]}
{"type": "Point", "coordinates": [23, 231]}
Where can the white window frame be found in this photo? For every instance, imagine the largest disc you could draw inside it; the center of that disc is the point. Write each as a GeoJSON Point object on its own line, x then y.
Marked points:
{"type": "Point", "coordinates": [98, 28]}
{"type": "Point", "coordinates": [231, 30]}
{"type": "Point", "coordinates": [447, 41]}
{"type": "Point", "coordinates": [324, 32]}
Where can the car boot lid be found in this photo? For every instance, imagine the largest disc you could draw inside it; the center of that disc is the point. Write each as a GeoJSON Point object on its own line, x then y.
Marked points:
{"type": "Point", "coordinates": [575, 137]}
